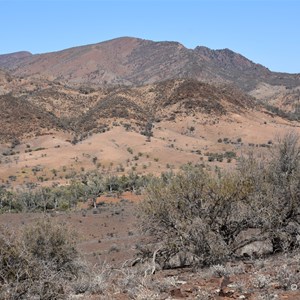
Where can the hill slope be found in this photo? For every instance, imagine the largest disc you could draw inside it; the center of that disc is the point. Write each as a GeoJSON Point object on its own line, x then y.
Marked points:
{"type": "Point", "coordinates": [86, 110]}
{"type": "Point", "coordinates": [136, 82]}
{"type": "Point", "coordinates": [132, 61]}
{"type": "Point", "coordinates": [19, 118]}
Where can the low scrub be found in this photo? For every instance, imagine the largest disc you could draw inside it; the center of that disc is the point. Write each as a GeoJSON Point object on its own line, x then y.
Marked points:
{"type": "Point", "coordinates": [205, 219]}
{"type": "Point", "coordinates": [40, 263]}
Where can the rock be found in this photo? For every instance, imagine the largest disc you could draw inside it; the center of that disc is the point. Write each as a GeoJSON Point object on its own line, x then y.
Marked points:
{"type": "Point", "coordinates": [181, 259]}
{"type": "Point", "coordinates": [226, 292]}
{"type": "Point", "coordinates": [176, 293]}
{"type": "Point", "coordinates": [256, 249]}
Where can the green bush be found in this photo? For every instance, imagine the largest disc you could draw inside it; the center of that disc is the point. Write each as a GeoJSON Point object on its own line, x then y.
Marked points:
{"type": "Point", "coordinates": [130, 150]}
{"type": "Point", "coordinates": [279, 189]}
{"type": "Point", "coordinates": [53, 244]}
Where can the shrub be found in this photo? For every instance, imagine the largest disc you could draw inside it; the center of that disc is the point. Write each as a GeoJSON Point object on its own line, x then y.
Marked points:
{"type": "Point", "coordinates": [205, 216]}
{"type": "Point", "coordinates": [230, 154]}
{"type": "Point", "coordinates": [41, 263]}
{"type": "Point", "coordinates": [53, 244]}
{"type": "Point", "coordinates": [276, 183]}
{"type": "Point", "coordinates": [196, 214]}
{"type": "Point", "coordinates": [17, 270]}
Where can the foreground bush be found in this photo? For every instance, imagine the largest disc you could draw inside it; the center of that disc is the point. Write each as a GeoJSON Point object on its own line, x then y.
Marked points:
{"type": "Point", "coordinates": [276, 193]}
{"type": "Point", "coordinates": [197, 215]}
{"type": "Point", "coordinates": [205, 219]}
{"type": "Point", "coordinates": [41, 263]}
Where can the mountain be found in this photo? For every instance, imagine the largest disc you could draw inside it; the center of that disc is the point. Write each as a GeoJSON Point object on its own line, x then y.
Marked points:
{"type": "Point", "coordinates": [133, 61]}
{"type": "Point", "coordinates": [88, 88]}
{"type": "Point", "coordinates": [130, 61]}
{"type": "Point", "coordinates": [136, 105]}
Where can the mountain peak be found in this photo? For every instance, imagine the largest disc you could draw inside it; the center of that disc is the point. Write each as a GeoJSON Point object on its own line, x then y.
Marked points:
{"type": "Point", "coordinates": [133, 61]}
{"type": "Point", "coordinates": [16, 55]}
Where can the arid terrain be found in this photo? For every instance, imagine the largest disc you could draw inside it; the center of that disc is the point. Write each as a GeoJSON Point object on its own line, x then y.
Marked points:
{"type": "Point", "coordinates": [132, 106]}
{"type": "Point", "coordinates": [109, 240]}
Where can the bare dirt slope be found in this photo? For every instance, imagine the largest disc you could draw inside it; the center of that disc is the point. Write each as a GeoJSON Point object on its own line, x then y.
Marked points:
{"type": "Point", "coordinates": [120, 150]}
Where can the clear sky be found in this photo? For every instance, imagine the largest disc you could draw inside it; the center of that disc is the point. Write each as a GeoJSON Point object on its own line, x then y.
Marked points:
{"type": "Point", "coordinates": [265, 31]}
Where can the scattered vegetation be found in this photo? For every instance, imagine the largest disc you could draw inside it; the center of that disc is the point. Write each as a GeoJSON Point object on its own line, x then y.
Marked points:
{"type": "Point", "coordinates": [229, 155]}
{"type": "Point", "coordinates": [203, 217]}
{"type": "Point", "coordinates": [290, 115]}
{"type": "Point", "coordinates": [206, 218]}
{"type": "Point", "coordinates": [87, 186]}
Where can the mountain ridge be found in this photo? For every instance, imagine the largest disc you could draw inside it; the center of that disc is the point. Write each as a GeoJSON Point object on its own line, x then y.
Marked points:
{"type": "Point", "coordinates": [134, 61]}
{"type": "Point", "coordinates": [85, 88]}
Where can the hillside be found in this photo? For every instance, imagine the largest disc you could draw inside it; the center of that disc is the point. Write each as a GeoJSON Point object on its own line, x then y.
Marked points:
{"type": "Point", "coordinates": [19, 118]}
{"type": "Point", "coordinates": [135, 61]}
{"type": "Point", "coordinates": [9, 61]}
{"type": "Point", "coordinates": [168, 100]}
{"type": "Point", "coordinates": [5, 78]}
{"type": "Point", "coordinates": [174, 104]}
{"type": "Point", "coordinates": [146, 128]}
{"type": "Point", "coordinates": [130, 61]}
{"type": "Point", "coordinates": [85, 110]}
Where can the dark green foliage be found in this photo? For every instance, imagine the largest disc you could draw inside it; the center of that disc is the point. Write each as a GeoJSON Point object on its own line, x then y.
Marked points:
{"type": "Point", "coordinates": [220, 156]}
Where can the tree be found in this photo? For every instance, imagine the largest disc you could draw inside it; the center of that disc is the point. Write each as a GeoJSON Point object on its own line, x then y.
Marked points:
{"type": "Point", "coordinates": [94, 186]}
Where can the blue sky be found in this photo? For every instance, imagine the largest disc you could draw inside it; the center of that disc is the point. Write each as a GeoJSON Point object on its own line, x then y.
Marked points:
{"type": "Point", "coordinates": [265, 31]}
